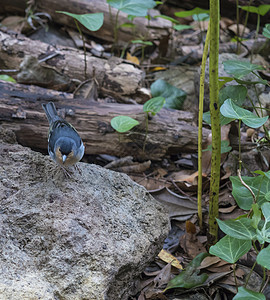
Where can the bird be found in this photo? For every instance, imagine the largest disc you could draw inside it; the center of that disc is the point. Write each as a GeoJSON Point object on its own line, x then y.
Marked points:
{"type": "Point", "coordinates": [65, 145]}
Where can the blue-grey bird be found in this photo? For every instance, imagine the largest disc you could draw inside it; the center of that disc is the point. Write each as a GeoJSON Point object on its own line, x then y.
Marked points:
{"type": "Point", "coordinates": [65, 146]}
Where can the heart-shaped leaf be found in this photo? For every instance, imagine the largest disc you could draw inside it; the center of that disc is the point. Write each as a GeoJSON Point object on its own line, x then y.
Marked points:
{"type": "Point", "coordinates": [154, 105]}
{"type": "Point", "coordinates": [266, 31]}
{"type": "Point", "coordinates": [240, 68]}
{"type": "Point", "coordinates": [260, 185]}
{"type": "Point", "coordinates": [230, 249]}
{"type": "Point", "coordinates": [263, 258]}
{"type": "Point", "coordinates": [233, 111]}
{"type": "Point", "coordinates": [137, 8]}
{"type": "Point", "coordinates": [174, 97]}
{"type": "Point", "coordinates": [237, 93]}
{"type": "Point", "coordinates": [240, 229]}
{"type": "Point", "coordinates": [91, 21]}
{"type": "Point", "coordinates": [123, 123]}
{"type": "Point", "coordinates": [245, 294]}
{"type": "Point", "coordinates": [260, 10]}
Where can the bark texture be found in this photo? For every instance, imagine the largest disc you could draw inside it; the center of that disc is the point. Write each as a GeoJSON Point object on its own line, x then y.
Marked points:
{"type": "Point", "coordinates": [170, 131]}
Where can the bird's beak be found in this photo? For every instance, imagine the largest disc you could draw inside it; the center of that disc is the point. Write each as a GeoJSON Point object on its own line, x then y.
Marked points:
{"type": "Point", "coordinates": [64, 157]}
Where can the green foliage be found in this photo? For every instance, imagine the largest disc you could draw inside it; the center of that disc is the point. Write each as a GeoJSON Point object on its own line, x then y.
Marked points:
{"type": "Point", "coordinates": [137, 8]}
{"type": "Point", "coordinates": [266, 31]}
{"type": "Point", "coordinates": [260, 10]}
{"type": "Point", "coordinates": [146, 43]}
{"type": "Point", "coordinates": [123, 123]}
{"type": "Point", "coordinates": [92, 22]}
{"type": "Point", "coordinates": [241, 229]}
{"type": "Point", "coordinates": [195, 11]}
{"type": "Point", "coordinates": [201, 17]}
{"type": "Point", "coordinates": [175, 97]}
{"type": "Point", "coordinates": [233, 111]}
{"type": "Point", "coordinates": [224, 147]}
{"type": "Point", "coordinates": [180, 27]}
{"type": "Point", "coordinates": [237, 93]}
{"type": "Point", "coordinates": [230, 249]}
{"type": "Point", "coordinates": [244, 294]}
{"type": "Point", "coordinates": [240, 68]}
{"type": "Point", "coordinates": [263, 258]}
{"type": "Point", "coordinates": [167, 18]}
{"type": "Point", "coordinates": [189, 278]}
{"type": "Point", "coordinates": [7, 78]}
{"type": "Point", "coordinates": [154, 105]}
{"type": "Point", "coordinates": [260, 185]}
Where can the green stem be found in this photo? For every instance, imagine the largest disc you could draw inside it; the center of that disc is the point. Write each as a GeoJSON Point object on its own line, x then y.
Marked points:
{"type": "Point", "coordinates": [215, 120]}
{"type": "Point", "coordinates": [200, 121]}
{"type": "Point", "coordinates": [235, 279]}
{"type": "Point", "coordinates": [84, 48]}
{"type": "Point", "coordinates": [237, 28]}
{"type": "Point", "coordinates": [146, 130]}
{"type": "Point", "coordinates": [239, 142]}
{"type": "Point", "coordinates": [249, 274]}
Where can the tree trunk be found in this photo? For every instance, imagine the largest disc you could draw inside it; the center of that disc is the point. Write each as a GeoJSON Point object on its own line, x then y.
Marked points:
{"type": "Point", "coordinates": [169, 132]}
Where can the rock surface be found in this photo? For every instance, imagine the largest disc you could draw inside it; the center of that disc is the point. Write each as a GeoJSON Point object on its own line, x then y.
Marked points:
{"type": "Point", "coordinates": [84, 237]}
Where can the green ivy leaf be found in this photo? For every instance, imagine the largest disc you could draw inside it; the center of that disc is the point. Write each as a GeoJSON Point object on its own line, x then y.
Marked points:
{"type": "Point", "coordinates": [230, 249]}
{"type": "Point", "coordinates": [195, 11]}
{"type": "Point", "coordinates": [237, 93]}
{"type": "Point", "coordinates": [222, 80]}
{"type": "Point", "coordinates": [263, 258]}
{"type": "Point", "coordinates": [154, 105]}
{"type": "Point", "coordinates": [240, 68]}
{"type": "Point", "coordinates": [244, 294]}
{"type": "Point", "coordinates": [91, 21]}
{"type": "Point", "coordinates": [257, 215]}
{"type": "Point", "coordinates": [167, 18]}
{"type": "Point", "coordinates": [123, 123]}
{"type": "Point", "coordinates": [260, 185]}
{"type": "Point", "coordinates": [260, 10]}
{"type": "Point", "coordinates": [147, 43]}
{"type": "Point", "coordinates": [201, 17]}
{"type": "Point", "coordinates": [189, 278]}
{"type": "Point", "coordinates": [240, 229]}
{"type": "Point", "coordinates": [180, 27]}
{"type": "Point", "coordinates": [137, 8]}
{"type": "Point", "coordinates": [224, 147]}
{"type": "Point", "coordinates": [231, 110]}
{"type": "Point", "coordinates": [266, 31]}
{"type": "Point", "coordinates": [7, 78]}
{"type": "Point", "coordinates": [174, 97]}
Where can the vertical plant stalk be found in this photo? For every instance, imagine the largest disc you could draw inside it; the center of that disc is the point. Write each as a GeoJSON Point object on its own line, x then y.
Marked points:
{"type": "Point", "coordinates": [84, 49]}
{"type": "Point", "coordinates": [237, 28]}
{"type": "Point", "coordinates": [215, 121]}
{"type": "Point", "coordinates": [200, 120]}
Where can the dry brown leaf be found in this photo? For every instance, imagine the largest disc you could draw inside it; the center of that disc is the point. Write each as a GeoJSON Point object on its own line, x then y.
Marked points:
{"type": "Point", "coordinates": [191, 245]}
{"type": "Point", "coordinates": [133, 59]}
{"type": "Point", "coordinates": [150, 183]}
{"type": "Point", "coordinates": [169, 258]}
{"type": "Point", "coordinates": [190, 227]}
{"type": "Point", "coordinates": [227, 210]}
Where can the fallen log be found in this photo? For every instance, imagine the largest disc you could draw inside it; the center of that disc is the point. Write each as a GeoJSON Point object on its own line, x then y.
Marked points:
{"type": "Point", "coordinates": [154, 29]}
{"type": "Point", "coordinates": [115, 78]}
{"type": "Point", "coordinates": [169, 132]}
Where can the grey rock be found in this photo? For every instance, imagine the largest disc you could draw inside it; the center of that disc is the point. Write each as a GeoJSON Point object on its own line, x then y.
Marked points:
{"type": "Point", "coordinates": [84, 237]}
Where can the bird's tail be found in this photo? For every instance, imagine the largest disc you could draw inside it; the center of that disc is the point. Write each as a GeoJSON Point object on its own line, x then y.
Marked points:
{"type": "Point", "coordinates": [50, 111]}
